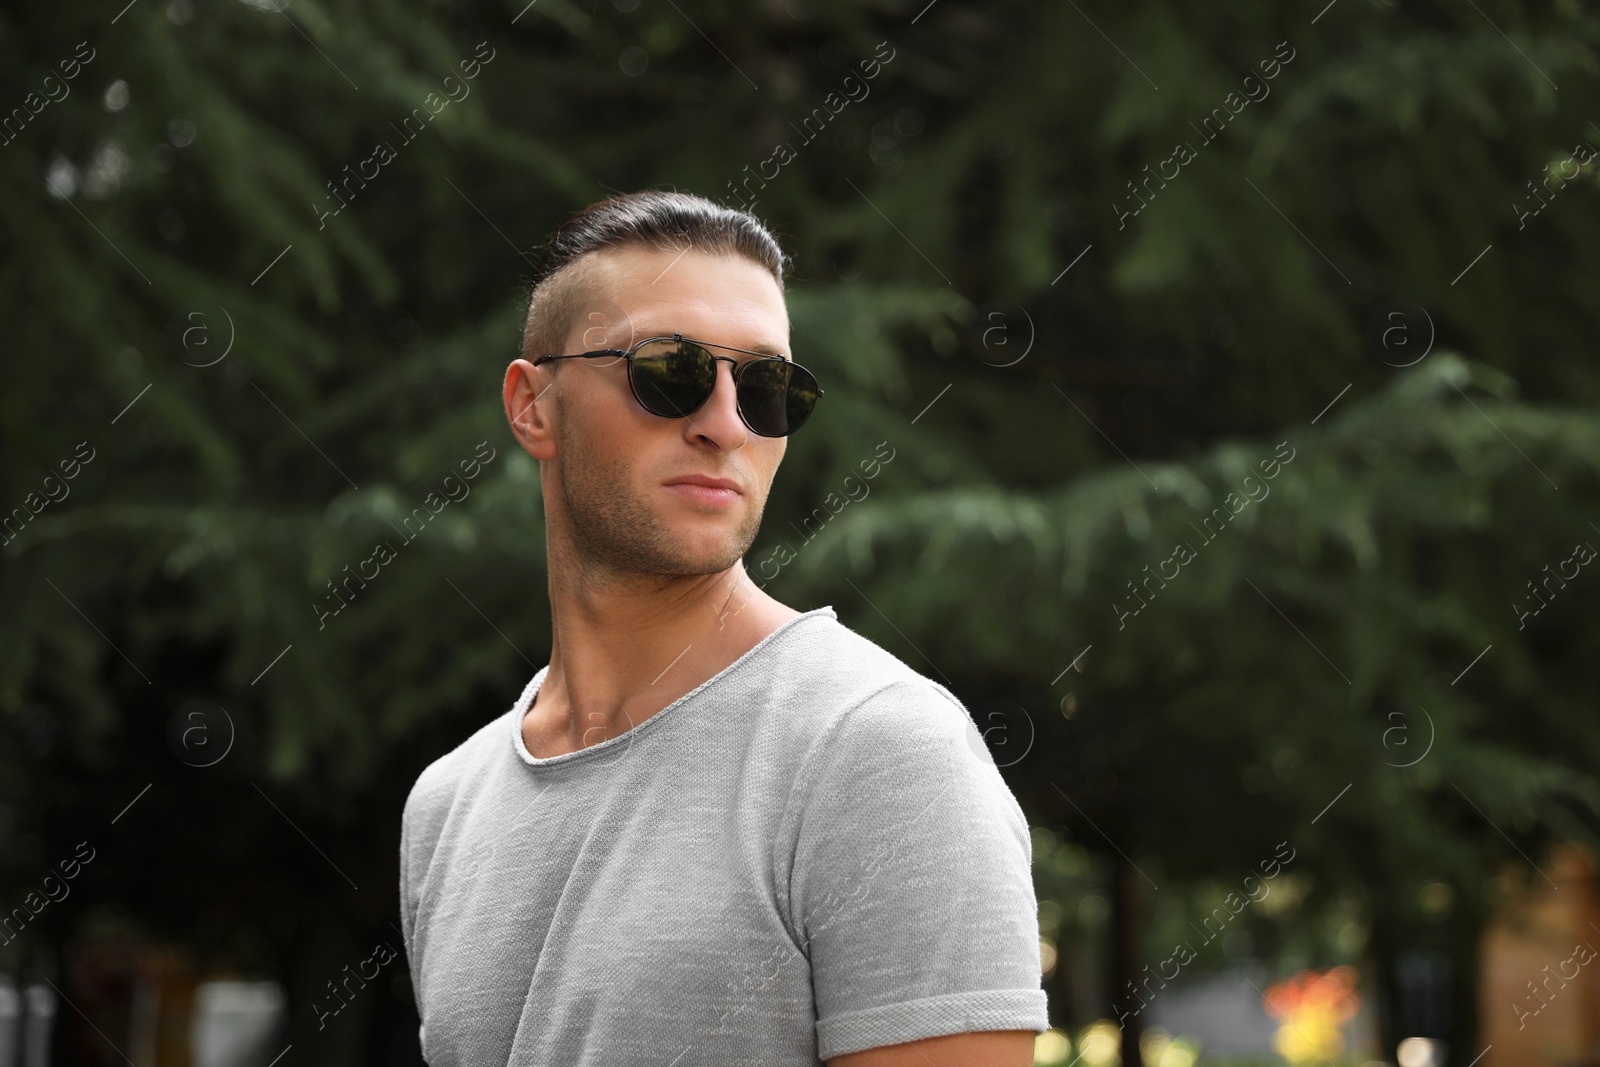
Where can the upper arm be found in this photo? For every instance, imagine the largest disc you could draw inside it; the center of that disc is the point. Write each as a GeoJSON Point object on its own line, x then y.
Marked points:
{"type": "Point", "coordinates": [992, 1048]}
{"type": "Point", "coordinates": [911, 887]}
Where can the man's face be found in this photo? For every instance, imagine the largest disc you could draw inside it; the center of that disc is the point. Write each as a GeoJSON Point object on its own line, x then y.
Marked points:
{"type": "Point", "coordinates": [612, 459]}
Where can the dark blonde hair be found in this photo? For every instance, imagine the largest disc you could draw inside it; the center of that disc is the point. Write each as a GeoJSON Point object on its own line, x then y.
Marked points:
{"type": "Point", "coordinates": [649, 219]}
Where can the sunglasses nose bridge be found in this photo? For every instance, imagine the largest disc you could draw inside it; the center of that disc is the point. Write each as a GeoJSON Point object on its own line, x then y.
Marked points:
{"type": "Point", "coordinates": [733, 379]}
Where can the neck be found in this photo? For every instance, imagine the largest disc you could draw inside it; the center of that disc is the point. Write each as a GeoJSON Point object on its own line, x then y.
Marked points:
{"type": "Point", "coordinates": [622, 649]}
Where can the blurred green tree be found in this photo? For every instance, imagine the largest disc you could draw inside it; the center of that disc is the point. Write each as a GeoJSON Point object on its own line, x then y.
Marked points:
{"type": "Point", "coordinates": [1075, 362]}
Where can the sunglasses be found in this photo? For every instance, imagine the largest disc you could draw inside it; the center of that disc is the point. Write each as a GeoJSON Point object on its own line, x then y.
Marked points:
{"type": "Point", "coordinates": [673, 376]}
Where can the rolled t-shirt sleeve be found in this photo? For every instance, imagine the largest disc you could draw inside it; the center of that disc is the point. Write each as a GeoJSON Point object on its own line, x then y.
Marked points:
{"type": "Point", "coordinates": [911, 878]}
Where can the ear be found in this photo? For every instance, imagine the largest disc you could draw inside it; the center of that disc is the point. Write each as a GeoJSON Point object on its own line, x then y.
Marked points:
{"type": "Point", "coordinates": [528, 408]}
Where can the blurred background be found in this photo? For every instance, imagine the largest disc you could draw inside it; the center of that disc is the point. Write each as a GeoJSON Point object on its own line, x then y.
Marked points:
{"type": "Point", "coordinates": [1236, 363]}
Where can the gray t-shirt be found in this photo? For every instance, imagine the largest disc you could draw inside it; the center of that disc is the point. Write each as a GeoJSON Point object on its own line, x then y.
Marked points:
{"type": "Point", "coordinates": [810, 854]}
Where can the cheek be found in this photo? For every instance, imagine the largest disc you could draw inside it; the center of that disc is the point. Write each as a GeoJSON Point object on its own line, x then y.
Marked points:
{"type": "Point", "coordinates": [624, 451]}
{"type": "Point", "coordinates": [602, 419]}
{"type": "Point", "coordinates": [766, 468]}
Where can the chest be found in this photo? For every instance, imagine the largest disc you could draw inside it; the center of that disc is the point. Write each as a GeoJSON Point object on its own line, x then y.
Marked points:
{"type": "Point", "coordinates": [608, 913]}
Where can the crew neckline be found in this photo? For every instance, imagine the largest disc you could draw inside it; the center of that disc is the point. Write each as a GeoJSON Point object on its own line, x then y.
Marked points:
{"type": "Point", "coordinates": [519, 710]}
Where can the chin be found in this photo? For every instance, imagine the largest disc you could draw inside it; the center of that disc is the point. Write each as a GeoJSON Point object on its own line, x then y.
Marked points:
{"type": "Point", "coordinates": [711, 551]}
{"type": "Point", "coordinates": [715, 558]}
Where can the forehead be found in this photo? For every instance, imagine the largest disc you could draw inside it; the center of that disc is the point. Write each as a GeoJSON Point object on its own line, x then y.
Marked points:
{"type": "Point", "coordinates": [726, 299]}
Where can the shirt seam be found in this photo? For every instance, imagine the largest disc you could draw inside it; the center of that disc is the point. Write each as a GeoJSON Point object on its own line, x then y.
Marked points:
{"type": "Point", "coordinates": [1027, 992]}
{"type": "Point", "coordinates": [804, 776]}
{"type": "Point", "coordinates": [630, 736]}
{"type": "Point", "coordinates": [1017, 995]}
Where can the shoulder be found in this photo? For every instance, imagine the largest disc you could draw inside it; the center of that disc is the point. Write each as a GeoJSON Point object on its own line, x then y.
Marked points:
{"type": "Point", "coordinates": [842, 667]}
{"type": "Point", "coordinates": [460, 772]}
{"type": "Point", "coordinates": [859, 722]}
{"type": "Point", "coordinates": [849, 690]}
{"type": "Point", "coordinates": [844, 710]}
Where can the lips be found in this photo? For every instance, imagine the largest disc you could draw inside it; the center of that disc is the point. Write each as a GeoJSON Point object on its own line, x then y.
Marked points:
{"type": "Point", "coordinates": [707, 481]}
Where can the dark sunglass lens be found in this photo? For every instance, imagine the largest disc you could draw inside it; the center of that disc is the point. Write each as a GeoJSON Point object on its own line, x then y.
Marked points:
{"type": "Point", "coordinates": [776, 396]}
{"type": "Point", "coordinates": [673, 378]}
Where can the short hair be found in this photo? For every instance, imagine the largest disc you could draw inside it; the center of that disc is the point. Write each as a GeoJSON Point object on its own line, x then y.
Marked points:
{"type": "Point", "coordinates": [649, 219]}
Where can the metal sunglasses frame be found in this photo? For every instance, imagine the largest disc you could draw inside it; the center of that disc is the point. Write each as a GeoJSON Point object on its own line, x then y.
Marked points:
{"type": "Point", "coordinates": [627, 354]}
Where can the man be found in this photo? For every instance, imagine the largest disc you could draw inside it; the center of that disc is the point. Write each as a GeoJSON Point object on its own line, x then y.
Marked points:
{"type": "Point", "coordinates": [714, 830]}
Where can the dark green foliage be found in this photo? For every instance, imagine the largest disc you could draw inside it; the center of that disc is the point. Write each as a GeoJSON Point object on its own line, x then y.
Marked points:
{"type": "Point", "coordinates": [932, 223]}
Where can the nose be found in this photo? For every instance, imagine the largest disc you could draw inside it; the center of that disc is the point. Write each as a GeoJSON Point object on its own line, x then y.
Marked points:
{"type": "Point", "coordinates": [718, 422]}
